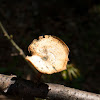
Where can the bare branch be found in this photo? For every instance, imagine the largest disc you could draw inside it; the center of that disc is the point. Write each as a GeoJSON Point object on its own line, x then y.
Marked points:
{"type": "Point", "coordinates": [24, 88]}
{"type": "Point", "coordinates": [16, 46]}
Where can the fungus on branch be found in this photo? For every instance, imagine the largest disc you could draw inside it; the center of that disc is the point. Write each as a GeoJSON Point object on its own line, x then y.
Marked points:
{"type": "Point", "coordinates": [49, 54]}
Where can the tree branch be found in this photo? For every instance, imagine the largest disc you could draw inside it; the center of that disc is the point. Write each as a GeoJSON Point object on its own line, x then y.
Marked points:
{"type": "Point", "coordinates": [17, 87]}
{"type": "Point", "coordinates": [16, 46]}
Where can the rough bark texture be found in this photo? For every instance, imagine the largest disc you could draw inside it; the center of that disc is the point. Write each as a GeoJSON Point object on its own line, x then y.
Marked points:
{"type": "Point", "coordinates": [17, 87]}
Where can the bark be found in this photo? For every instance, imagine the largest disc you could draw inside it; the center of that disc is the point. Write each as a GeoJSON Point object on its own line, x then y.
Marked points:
{"type": "Point", "coordinates": [18, 87]}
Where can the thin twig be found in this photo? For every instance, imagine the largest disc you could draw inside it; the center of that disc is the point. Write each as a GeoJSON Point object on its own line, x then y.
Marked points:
{"type": "Point", "coordinates": [12, 41]}
{"type": "Point", "coordinates": [16, 46]}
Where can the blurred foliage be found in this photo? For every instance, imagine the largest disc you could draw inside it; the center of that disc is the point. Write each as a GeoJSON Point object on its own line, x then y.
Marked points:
{"type": "Point", "coordinates": [71, 72]}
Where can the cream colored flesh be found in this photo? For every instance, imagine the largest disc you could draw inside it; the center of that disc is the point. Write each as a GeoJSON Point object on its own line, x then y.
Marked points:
{"type": "Point", "coordinates": [49, 54]}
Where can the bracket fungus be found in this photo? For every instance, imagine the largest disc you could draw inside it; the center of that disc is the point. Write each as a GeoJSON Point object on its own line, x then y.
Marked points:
{"type": "Point", "coordinates": [49, 54]}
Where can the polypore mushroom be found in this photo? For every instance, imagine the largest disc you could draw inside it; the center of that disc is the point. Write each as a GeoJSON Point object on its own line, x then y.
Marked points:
{"type": "Point", "coordinates": [49, 54]}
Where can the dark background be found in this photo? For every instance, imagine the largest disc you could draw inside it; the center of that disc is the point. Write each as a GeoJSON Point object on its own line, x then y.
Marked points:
{"type": "Point", "coordinates": [76, 22]}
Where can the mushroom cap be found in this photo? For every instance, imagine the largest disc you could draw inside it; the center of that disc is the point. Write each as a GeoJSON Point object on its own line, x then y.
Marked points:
{"type": "Point", "coordinates": [49, 54]}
